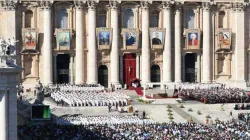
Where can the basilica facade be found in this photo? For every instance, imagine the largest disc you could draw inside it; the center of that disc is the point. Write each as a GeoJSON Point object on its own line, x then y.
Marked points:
{"type": "Point", "coordinates": [114, 41]}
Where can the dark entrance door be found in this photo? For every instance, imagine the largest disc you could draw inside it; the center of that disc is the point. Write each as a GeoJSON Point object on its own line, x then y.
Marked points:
{"type": "Point", "coordinates": [129, 68]}
{"type": "Point", "coordinates": [190, 71]}
{"type": "Point", "coordinates": [103, 75]}
{"type": "Point", "coordinates": [155, 74]}
{"type": "Point", "coordinates": [62, 68]}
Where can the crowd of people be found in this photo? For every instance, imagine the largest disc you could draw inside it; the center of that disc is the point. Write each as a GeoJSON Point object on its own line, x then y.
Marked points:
{"type": "Point", "coordinates": [200, 85]}
{"type": "Point", "coordinates": [244, 117]}
{"type": "Point", "coordinates": [215, 94]}
{"type": "Point", "coordinates": [86, 95]}
{"type": "Point", "coordinates": [100, 120]}
{"type": "Point", "coordinates": [153, 131]}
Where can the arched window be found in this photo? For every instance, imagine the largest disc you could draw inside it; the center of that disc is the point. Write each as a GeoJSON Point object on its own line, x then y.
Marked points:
{"type": "Point", "coordinates": [154, 19]}
{"type": "Point", "coordinates": [28, 19]}
{"type": "Point", "coordinates": [128, 18]}
{"type": "Point", "coordinates": [190, 19]}
{"type": "Point", "coordinates": [102, 18]}
{"type": "Point", "coordinates": [221, 19]}
{"type": "Point", "coordinates": [62, 18]}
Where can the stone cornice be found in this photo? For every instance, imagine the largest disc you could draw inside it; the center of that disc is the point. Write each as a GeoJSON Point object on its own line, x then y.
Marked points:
{"type": "Point", "coordinates": [8, 5]}
{"type": "Point", "coordinates": [45, 5]}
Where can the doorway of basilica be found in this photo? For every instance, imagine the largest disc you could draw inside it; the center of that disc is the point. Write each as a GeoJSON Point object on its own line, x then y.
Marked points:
{"type": "Point", "coordinates": [103, 75]}
{"type": "Point", "coordinates": [62, 65]}
{"type": "Point", "coordinates": [129, 68]}
{"type": "Point", "coordinates": [155, 74]}
{"type": "Point", "coordinates": [190, 69]}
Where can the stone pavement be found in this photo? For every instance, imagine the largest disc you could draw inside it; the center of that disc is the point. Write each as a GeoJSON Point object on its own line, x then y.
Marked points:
{"type": "Point", "coordinates": [156, 110]}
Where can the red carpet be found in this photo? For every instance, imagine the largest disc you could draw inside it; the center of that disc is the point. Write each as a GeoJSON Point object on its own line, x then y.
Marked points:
{"type": "Point", "coordinates": [140, 93]}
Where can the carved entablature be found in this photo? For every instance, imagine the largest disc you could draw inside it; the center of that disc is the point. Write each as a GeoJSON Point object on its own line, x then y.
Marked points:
{"type": "Point", "coordinates": [167, 5]}
{"type": "Point", "coordinates": [156, 56]}
{"type": "Point", "coordinates": [206, 6]}
{"type": "Point", "coordinates": [145, 4]}
{"type": "Point", "coordinates": [238, 7]}
{"type": "Point", "coordinates": [114, 4]}
{"type": "Point", "coordinates": [8, 5]}
{"type": "Point", "coordinates": [178, 6]}
{"type": "Point", "coordinates": [92, 4]}
{"type": "Point", "coordinates": [103, 57]}
{"type": "Point", "coordinates": [79, 4]}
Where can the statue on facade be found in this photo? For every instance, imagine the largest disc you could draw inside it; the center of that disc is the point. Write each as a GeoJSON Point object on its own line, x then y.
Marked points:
{"type": "Point", "coordinates": [8, 52]}
{"type": "Point", "coordinates": [39, 93]}
{"type": "Point", "coordinates": [19, 89]}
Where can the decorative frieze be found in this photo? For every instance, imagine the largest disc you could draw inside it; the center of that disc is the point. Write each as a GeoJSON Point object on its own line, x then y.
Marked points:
{"type": "Point", "coordinates": [178, 6]}
{"type": "Point", "coordinates": [8, 5]}
{"type": "Point", "coordinates": [239, 7]}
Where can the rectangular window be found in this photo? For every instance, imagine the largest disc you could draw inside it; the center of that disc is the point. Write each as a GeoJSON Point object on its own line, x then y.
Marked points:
{"type": "Point", "coordinates": [102, 21]}
{"type": "Point", "coordinates": [154, 21]}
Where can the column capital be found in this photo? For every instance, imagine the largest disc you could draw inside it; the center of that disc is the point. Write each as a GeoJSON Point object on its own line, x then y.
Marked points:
{"type": "Point", "coordinates": [206, 6]}
{"type": "Point", "coordinates": [79, 4]}
{"type": "Point", "coordinates": [8, 5]}
{"type": "Point", "coordinates": [114, 4]}
{"type": "Point", "coordinates": [145, 5]}
{"type": "Point", "coordinates": [238, 7]}
{"type": "Point", "coordinates": [167, 5]}
{"type": "Point", "coordinates": [45, 5]}
{"type": "Point", "coordinates": [91, 4]}
{"type": "Point", "coordinates": [178, 6]}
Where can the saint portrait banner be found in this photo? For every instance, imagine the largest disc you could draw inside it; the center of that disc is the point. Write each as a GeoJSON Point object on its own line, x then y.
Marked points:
{"type": "Point", "coordinates": [224, 38]}
{"type": "Point", "coordinates": [157, 36]}
{"type": "Point", "coordinates": [29, 39]}
{"type": "Point", "coordinates": [63, 39]}
{"type": "Point", "coordinates": [193, 39]}
{"type": "Point", "coordinates": [104, 38]}
{"type": "Point", "coordinates": [130, 38]}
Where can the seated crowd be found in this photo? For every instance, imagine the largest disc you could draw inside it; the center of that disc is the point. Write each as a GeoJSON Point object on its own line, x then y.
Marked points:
{"type": "Point", "coordinates": [74, 95]}
{"type": "Point", "coordinates": [216, 95]}
{"type": "Point", "coordinates": [200, 85]}
{"type": "Point", "coordinates": [153, 131]}
{"type": "Point", "coordinates": [100, 120]}
{"type": "Point", "coordinates": [244, 117]}
{"type": "Point", "coordinates": [242, 106]}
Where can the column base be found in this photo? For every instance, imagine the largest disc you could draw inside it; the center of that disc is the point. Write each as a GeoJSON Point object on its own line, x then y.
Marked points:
{"type": "Point", "coordinates": [94, 82]}
{"type": "Point", "coordinates": [79, 82]}
{"type": "Point", "coordinates": [50, 83]}
{"type": "Point", "coordinates": [117, 85]}
{"type": "Point", "coordinates": [178, 81]}
{"type": "Point", "coordinates": [206, 81]}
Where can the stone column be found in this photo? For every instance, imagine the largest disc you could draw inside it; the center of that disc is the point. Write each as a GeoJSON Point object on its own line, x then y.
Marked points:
{"type": "Point", "coordinates": [206, 44]}
{"type": "Point", "coordinates": [72, 69]}
{"type": "Point", "coordinates": [145, 43]}
{"type": "Point", "coordinates": [183, 67]}
{"type": "Point", "coordinates": [8, 102]}
{"type": "Point", "coordinates": [138, 65]}
{"type": "Point", "coordinates": [121, 68]}
{"type": "Point", "coordinates": [4, 117]}
{"type": "Point", "coordinates": [240, 48]}
{"type": "Point", "coordinates": [79, 79]}
{"type": "Point", "coordinates": [199, 67]}
{"type": "Point", "coordinates": [114, 61]}
{"type": "Point", "coordinates": [178, 35]}
{"type": "Point", "coordinates": [167, 70]}
{"type": "Point", "coordinates": [47, 43]}
{"type": "Point", "coordinates": [55, 68]}
{"type": "Point", "coordinates": [92, 53]}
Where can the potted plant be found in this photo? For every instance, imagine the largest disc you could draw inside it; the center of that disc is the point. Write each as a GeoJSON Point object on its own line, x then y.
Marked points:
{"type": "Point", "coordinates": [169, 106]}
{"type": "Point", "coordinates": [170, 114]}
{"type": "Point", "coordinates": [169, 110]}
{"type": "Point", "coordinates": [208, 117]}
{"type": "Point", "coordinates": [190, 110]}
